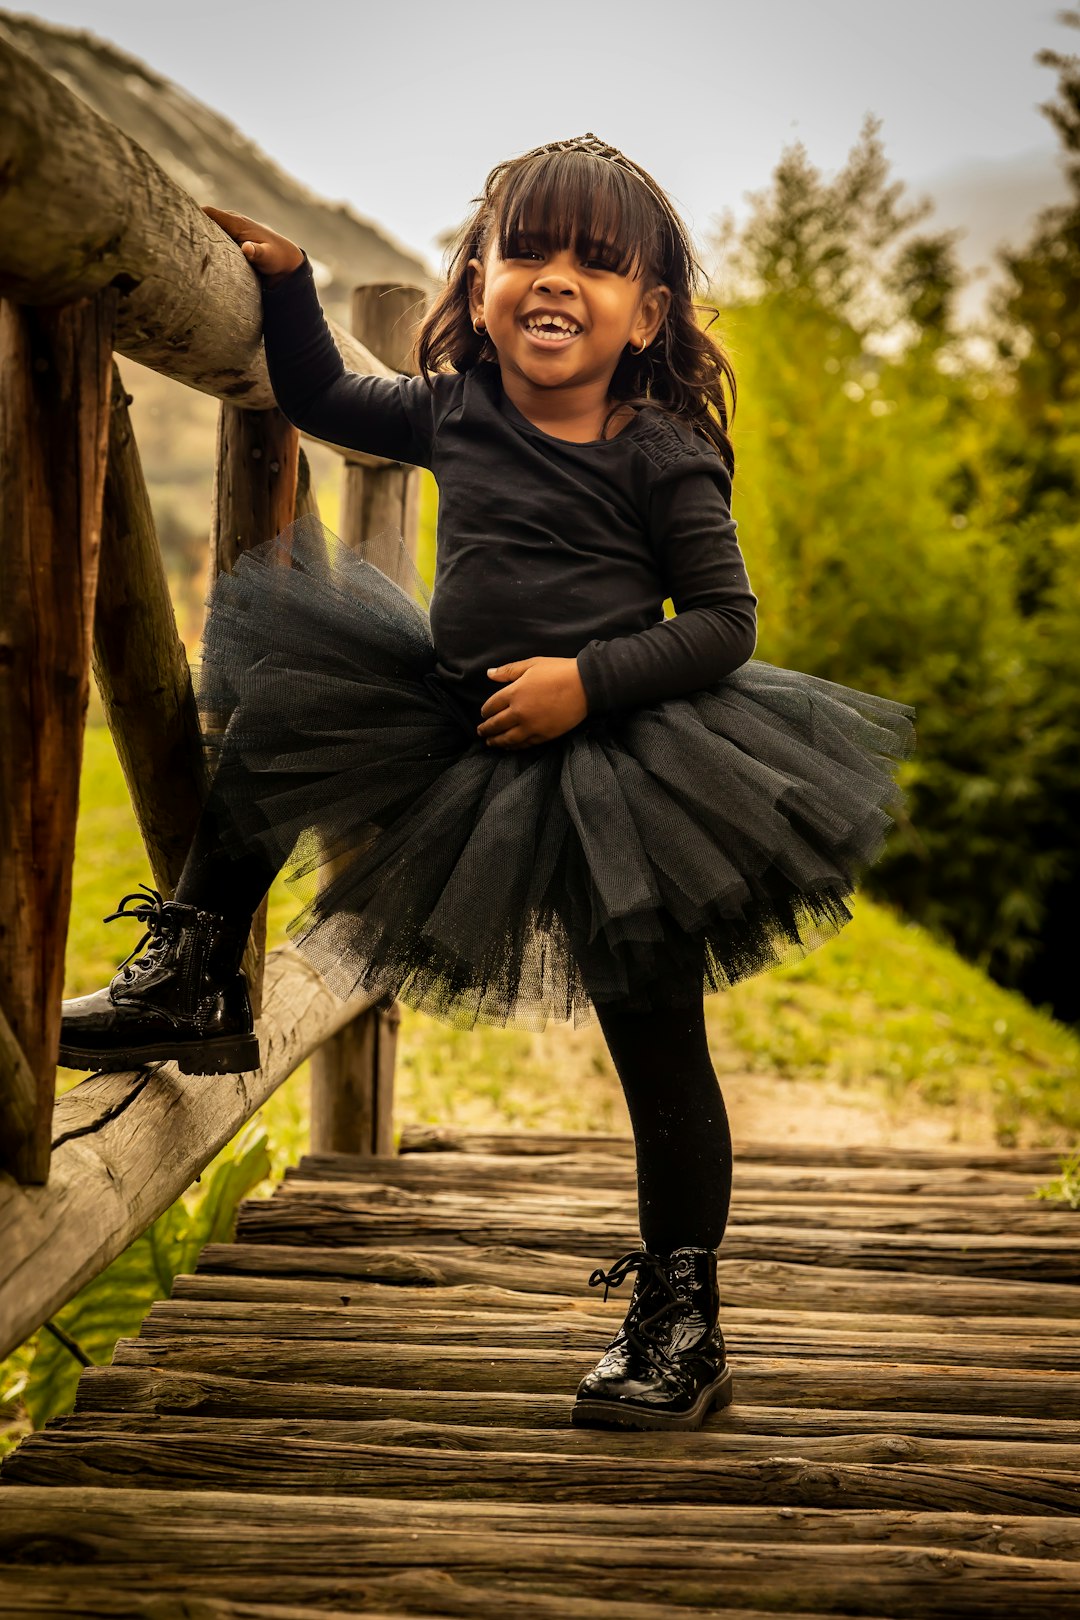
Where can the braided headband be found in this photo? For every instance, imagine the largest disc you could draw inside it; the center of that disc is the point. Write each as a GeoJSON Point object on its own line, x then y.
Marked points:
{"type": "Point", "coordinates": [597, 148]}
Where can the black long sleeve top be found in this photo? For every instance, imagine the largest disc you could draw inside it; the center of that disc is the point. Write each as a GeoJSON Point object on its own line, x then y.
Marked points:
{"type": "Point", "coordinates": [544, 547]}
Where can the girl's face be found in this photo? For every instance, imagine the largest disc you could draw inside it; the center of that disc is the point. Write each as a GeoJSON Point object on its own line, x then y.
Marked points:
{"type": "Point", "coordinates": [558, 319]}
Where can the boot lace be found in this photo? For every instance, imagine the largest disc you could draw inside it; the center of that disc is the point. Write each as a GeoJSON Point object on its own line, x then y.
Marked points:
{"type": "Point", "coordinates": [160, 929]}
{"type": "Point", "coordinates": [639, 1334]}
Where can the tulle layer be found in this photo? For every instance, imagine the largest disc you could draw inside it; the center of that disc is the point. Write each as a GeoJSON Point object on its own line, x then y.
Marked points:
{"type": "Point", "coordinates": [642, 856]}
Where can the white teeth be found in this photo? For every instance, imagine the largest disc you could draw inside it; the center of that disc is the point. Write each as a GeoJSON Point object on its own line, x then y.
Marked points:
{"type": "Point", "coordinates": [541, 326]}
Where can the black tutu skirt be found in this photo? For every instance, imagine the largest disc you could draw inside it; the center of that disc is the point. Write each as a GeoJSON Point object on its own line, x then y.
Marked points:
{"type": "Point", "coordinates": [642, 857]}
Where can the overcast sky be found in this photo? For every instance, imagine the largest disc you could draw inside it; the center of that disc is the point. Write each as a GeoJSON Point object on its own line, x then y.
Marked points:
{"type": "Point", "coordinates": [401, 109]}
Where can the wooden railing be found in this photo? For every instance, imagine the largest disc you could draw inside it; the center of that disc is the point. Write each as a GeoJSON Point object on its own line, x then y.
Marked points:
{"type": "Point", "coordinates": [100, 252]}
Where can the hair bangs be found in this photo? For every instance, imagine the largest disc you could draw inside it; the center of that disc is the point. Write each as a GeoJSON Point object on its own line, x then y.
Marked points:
{"type": "Point", "coordinates": [569, 199]}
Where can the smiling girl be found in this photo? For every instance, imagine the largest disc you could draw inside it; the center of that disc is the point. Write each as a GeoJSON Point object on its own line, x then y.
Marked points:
{"type": "Point", "coordinates": [541, 799]}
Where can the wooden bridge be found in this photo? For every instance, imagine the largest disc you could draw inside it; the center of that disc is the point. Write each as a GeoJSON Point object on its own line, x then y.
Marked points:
{"type": "Point", "coordinates": [362, 1404]}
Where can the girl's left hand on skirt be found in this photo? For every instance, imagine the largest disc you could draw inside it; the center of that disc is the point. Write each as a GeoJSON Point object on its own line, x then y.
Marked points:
{"type": "Point", "coordinates": [543, 698]}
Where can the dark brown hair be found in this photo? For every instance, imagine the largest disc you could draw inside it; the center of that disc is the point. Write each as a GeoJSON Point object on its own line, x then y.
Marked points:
{"type": "Point", "coordinates": [585, 193]}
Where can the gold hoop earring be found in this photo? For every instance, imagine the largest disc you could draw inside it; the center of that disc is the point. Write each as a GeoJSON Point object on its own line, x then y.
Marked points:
{"type": "Point", "coordinates": [642, 349]}
{"type": "Point", "coordinates": [478, 326]}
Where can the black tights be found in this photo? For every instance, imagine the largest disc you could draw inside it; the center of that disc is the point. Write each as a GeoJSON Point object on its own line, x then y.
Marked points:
{"type": "Point", "coordinates": [681, 1135]}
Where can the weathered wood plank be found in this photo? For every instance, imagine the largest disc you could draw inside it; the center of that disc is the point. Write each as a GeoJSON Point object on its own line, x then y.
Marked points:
{"type": "Point", "coordinates": [583, 1333]}
{"type": "Point", "coordinates": [866, 1212]}
{"type": "Point", "coordinates": [54, 424]}
{"type": "Point", "coordinates": [468, 1171]}
{"type": "Point", "coordinates": [719, 1440]}
{"type": "Point", "coordinates": [127, 1145]}
{"type": "Point", "coordinates": [900, 1580]}
{"type": "Point", "coordinates": [25, 1593]}
{"type": "Point", "coordinates": [326, 1221]}
{"type": "Point", "coordinates": [124, 1526]}
{"type": "Point", "coordinates": [228, 1456]}
{"type": "Point", "coordinates": [84, 207]}
{"type": "Point", "coordinates": [130, 1393]}
{"type": "Point", "coordinates": [441, 1138]}
{"type": "Point", "coordinates": [741, 1281]}
{"type": "Point", "coordinates": [773, 1381]}
{"type": "Point", "coordinates": [313, 1291]}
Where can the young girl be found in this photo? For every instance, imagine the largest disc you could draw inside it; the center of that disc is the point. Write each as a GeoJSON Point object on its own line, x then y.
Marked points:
{"type": "Point", "coordinates": [542, 799]}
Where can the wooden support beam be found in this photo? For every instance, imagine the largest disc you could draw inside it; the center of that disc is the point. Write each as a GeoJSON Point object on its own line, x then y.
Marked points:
{"type": "Point", "coordinates": [126, 1146]}
{"type": "Point", "coordinates": [140, 663]}
{"type": "Point", "coordinates": [254, 498]}
{"type": "Point", "coordinates": [54, 420]}
{"type": "Point", "coordinates": [352, 1076]}
{"type": "Point", "coordinates": [83, 207]}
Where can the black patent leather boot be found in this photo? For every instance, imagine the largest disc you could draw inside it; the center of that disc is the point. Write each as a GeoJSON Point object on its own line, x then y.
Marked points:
{"type": "Point", "coordinates": [666, 1368]}
{"type": "Point", "coordinates": [184, 1000]}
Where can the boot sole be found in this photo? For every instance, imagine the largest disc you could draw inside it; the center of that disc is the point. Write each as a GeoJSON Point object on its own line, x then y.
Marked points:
{"type": "Point", "coordinates": [231, 1054]}
{"type": "Point", "coordinates": [588, 1413]}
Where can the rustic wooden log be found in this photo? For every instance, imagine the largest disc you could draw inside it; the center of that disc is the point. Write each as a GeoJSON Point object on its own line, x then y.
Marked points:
{"type": "Point", "coordinates": [328, 1222]}
{"type": "Point", "coordinates": [433, 1303]}
{"type": "Point", "coordinates": [352, 1082]}
{"type": "Point", "coordinates": [123, 1527]}
{"type": "Point", "coordinates": [862, 1212]}
{"type": "Point", "coordinates": [741, 1281]}
{"type": "Point", "coordinates": [580, 1333]}
{"type": "Point", "coordinates": [85, 207]}
{"type": "Point", "coordinates": [473, 1172]}
{"type": "Point", "coordinates": [127, 1145]}
{"type": "Point", "coordinates": [54, 423]}
{"type": "Point", "coordinates": [718, 1441]}
{"type": "Point", "coordinates": [442, 1139]}
{"type": "Point", "coordinates": [762, 1380]}
{"type": "Point", "coordinates": [140, 663]}
{"type": "Point", "coordinates": [119, 1394]}
{"type": "Point", "coordinates": [26, 1593]}
{"type": "Point", "coordinates": [229, 1455]}
{"type": "Point", "coordinates": [254, 499]}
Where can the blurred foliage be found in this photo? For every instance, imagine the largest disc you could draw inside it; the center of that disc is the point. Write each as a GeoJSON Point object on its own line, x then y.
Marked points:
{"type": "Point", "coordinates": [906, 494]}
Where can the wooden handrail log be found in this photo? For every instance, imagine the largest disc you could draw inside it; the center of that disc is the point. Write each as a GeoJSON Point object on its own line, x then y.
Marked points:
{"type": "Point", "coordinates": [125, 1146]}
{"type": "Point", "coordinates": [83, 206]}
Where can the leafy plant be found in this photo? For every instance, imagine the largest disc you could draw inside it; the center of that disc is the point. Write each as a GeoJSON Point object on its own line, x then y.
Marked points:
{"type": "Point", "coordinates": [1065, 1188]}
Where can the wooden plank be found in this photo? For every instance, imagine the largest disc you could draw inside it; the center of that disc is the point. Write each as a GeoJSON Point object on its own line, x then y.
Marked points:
{"type": "Point", "coordinates": [140, 664]}
{"type": "Point", "coordinates": [719, 1440]}
{"type": "Point", "coordinates": [54, 421]}
{"type": "Point", "coordinates": [127, 1145]}
{"type": "Point", "coordinates": [900, 1580]}
{"type": "Point", "coordinates": [169, 1530]}
{"type": "Point", "coordinates": [583, 1334]}
{"type": "Point", "coordinates": [441, 1138]}
{"type": "Point", "coordinates": [222, 1455]}
{"type": "Point", "coordinates": [774, 1381]}
{"type": "Point", "coordinates": [25, 1593]}
{"type": "Point", "coordinates": [468, 1171]}
{"type": "Point", "coordinates": [741, 1281]}
{"type": "Point", "coordinates": [866, 1212]}
{"type": "Point", "coordinates": [329, 1221]}
{"type": "Point", "coordinates": [432, 1304]}
{"type": "Point", "coordinates": [128, 1393]}
{"type": "Point", "coordinates": [85, 208]}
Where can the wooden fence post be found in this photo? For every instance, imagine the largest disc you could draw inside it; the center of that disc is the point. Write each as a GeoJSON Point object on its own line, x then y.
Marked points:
{"type": "Point", "coordinates": [352, 1075]}
{"type": "Point", "coordinates": [140, 663]}
{"type": "Point", "coordinates": [54, 422]}
{"type": "Point", "coordinates": [254, 499]}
